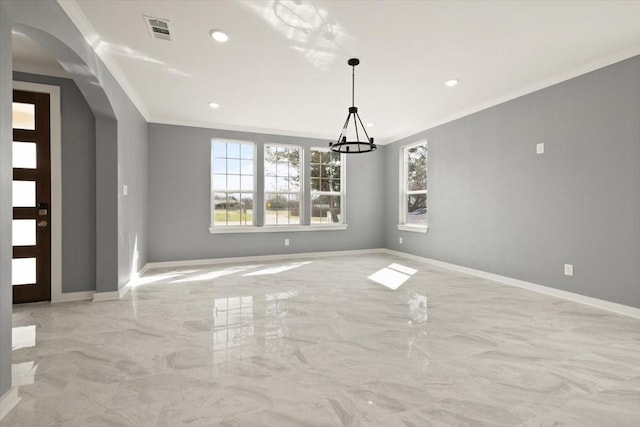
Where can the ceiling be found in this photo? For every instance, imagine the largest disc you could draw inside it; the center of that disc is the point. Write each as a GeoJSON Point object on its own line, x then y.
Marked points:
{"type": "Point", "coordinates": [30, 57]}
{"type": "Point", "coordinates": [284, 69]}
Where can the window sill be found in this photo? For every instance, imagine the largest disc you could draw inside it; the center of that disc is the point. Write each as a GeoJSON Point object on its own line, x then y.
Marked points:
{"type": "Point", "coordinates": [276, 228]}
{"type": "Point", "coordinates": [413, 228]}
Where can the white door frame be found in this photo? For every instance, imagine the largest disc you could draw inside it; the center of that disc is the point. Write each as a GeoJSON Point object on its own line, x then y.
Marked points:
{"type": "Point", "coordinates": [56, 189]}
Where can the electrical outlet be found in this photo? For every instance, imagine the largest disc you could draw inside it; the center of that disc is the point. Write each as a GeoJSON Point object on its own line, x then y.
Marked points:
{"type": "Point", "coordinates": [568, 269]}
{"type": "Point", "coordinates": [540, 148]}
{"type": "Point", "coordinates": [286, 242]}
{"type": "Point", "coordinates": [125, 189]}
{"type": "Point", "coordinates": [401, 240]}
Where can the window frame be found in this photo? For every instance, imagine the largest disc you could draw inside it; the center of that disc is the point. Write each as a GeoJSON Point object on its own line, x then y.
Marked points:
{"type": "Point", "coordinates": [213, 226]}
{"type": "Point", "coordinates": [259, 194]}
{"type": "Point", "coordinates": [300, 192]}
{"type": "Point", "coordinates": [403, 223]}
{"type": "Point", "coordinates": [342, 193]}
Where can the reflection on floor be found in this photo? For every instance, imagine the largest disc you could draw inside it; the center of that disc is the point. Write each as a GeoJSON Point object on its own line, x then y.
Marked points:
{"type": "Point", "coordinates": [326, 342]}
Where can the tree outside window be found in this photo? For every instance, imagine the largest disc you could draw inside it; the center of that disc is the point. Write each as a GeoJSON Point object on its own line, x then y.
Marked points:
{"type": "Point", "coordinates": [282, 189]}
{"type": "Point", "coordinates": [326, 187]}
{"type": "Point", "coordinates": [415, 185]}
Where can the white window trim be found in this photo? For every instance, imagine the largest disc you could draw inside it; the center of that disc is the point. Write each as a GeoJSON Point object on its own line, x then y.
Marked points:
{"type": "Point", "coordinates": [402, 213]}
{"type": "Point", "coordinates": [413, 228]}
{"type": "Point", "coordinates": [255, 184]}
{"type": "Point", "coordinates": [281, 228]}
{"type": "Point", "coordinates": [300, 192]}
{"type": "Point", "coordinates": [276, 228]}
{"type": "Point", "coordinates": [342, 193]}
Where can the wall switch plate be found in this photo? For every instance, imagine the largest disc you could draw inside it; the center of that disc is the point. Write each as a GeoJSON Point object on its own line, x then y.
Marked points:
{"type": "Point", "coordinates": [540, 148]}
{"type": "Point", "coordinates": [401, 240]}
{"type": "Point", "coordinates": [568, 269]}
{"type": "Point", "coordinates": [125, 189]}
{"type": "Point", "coordinates": [286, 242]}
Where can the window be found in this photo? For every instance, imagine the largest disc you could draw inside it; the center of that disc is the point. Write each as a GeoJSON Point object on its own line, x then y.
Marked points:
{"type": "Point", "coordinates": [293, 188]}
{"type": "Point", "coordinates": [326, 187]}
{"type": "Point", "coordinates": [413, 210]}
{"type": "Point", "coordinates": [232, 183]}
{"type": "Point", "coordinates": [282, 187]}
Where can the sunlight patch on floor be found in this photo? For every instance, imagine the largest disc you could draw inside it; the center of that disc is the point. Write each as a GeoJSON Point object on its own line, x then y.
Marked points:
{"type": "Point", "coordinates": [393, 276]}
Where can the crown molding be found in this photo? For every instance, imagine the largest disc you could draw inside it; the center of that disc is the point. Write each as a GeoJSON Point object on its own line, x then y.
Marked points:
{"type": "Point", "coordinates": [542, 84]}
{"type": "Point", "coordinates": [94, 40]}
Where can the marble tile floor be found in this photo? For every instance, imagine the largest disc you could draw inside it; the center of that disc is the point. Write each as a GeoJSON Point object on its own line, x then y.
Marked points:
{"type": "Point", "coordinates": [315, 342]}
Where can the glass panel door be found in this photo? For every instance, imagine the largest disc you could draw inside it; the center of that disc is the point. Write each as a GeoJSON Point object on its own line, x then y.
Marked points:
{"type": "Point", "coordinates": [31, 238]}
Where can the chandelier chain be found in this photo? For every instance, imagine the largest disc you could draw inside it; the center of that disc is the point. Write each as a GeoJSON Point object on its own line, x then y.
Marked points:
{"type": "Point", "coordinates": [353, 85]}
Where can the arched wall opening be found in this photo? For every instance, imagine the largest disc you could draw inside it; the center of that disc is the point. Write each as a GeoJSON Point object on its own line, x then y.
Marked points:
{"type": "Point", "coordinates": [120, 152]}
{"type": "Point", "coordinates": [106, 152]}
{"type": "Point", "coordinates": [72, 210]}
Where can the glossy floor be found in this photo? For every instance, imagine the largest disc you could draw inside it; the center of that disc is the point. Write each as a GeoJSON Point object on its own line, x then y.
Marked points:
{"type": "Point", "coordinates": [368, 340]}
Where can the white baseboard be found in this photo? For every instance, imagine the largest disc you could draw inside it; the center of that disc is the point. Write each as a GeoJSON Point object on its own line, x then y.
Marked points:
{"type": "Point", "coordinates": [72, 296]}
{"type": "Point", "coordinates": [127, 286]}
{"type": "Point", "coordinates": [106, 296]}
{"type": "Point", "coordinates": [213, 261]}
{"type": "Point", "coordinates": [143, 270]}
{"type": "Point", "coordinates": [8, 401]}
{"type": "Point", "coordinates": [582, 299]}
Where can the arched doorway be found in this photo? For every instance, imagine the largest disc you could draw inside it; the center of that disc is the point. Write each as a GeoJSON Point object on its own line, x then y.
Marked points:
{"type": "Point", "coordinates": [48, 25]}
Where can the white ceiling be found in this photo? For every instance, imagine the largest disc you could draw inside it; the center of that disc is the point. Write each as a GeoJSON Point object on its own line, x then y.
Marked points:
{"type": "Point", "coordinates": [284, 68]}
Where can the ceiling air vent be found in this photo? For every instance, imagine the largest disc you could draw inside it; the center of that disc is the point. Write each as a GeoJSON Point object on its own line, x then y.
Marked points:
{"type": "Point", "coordinates": [158, 28]}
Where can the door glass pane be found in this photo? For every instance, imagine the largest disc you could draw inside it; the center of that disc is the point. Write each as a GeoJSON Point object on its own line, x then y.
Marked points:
{"type": "Point", "coordinates": [23, 271]}
{"type": "Point", "coordinates": [24, 194]}
{"type": "Point", "coordinates": [24, 155]}
{"type": "Point", "coordinates": [24, 232]}
{"type": "Point", "coordinates": [24, 116]}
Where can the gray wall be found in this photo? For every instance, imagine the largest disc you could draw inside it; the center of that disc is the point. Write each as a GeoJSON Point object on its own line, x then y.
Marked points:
{"type": "Point", "coordinates": [131, 209]}
{"type": "Point", "coordinates": [121, 141]}
{"type": "Point", "coordinates": [78, 184]}
{"type": "Point", "coordinates": [179, 200]}
{"type": "Point", "coordinates": [6, 211]}
{"type": "Point", "coordinates": [496, 206]}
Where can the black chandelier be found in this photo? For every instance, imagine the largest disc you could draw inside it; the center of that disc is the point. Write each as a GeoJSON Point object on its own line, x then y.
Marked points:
{"type": "Point", "coordinates": [353, 146]}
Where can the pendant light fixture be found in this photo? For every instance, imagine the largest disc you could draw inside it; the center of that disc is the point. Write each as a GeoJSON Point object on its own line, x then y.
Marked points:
{"type": "Point", "coordinates": [343, 145]}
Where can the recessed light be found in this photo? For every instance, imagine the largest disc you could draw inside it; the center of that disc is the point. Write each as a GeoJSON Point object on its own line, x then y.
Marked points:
{"type": "Point", "coordinates": [219, 36]}
{"type": "Point", "coordinates": [369, 125]}
{"type": "Point", "coordinates": [214, 104]}
{"type": "Point", "coordinates": [451, 83]}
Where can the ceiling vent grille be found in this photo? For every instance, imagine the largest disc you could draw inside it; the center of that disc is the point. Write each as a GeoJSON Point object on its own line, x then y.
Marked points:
{"type": "Point", "coordinates": [158, 28]}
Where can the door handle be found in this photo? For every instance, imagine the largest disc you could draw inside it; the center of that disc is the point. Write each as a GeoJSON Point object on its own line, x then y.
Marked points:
{"type": "Point", "coordinates": [42, 223]}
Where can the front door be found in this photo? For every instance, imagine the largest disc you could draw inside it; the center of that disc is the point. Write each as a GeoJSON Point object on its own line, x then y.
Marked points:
{"type": "Point", "coordinates": [31, 264]}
